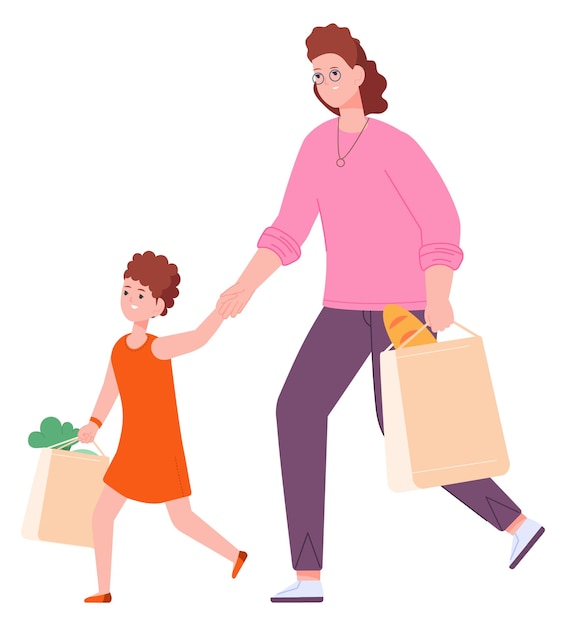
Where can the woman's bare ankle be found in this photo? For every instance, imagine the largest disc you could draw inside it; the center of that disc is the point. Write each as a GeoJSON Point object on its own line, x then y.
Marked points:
{"type": "Point", "coordinates": [313, 574]}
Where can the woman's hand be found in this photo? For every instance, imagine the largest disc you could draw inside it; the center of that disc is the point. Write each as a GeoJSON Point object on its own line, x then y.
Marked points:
{"type": "Point", "coordinates": [439, 314]}
{"type": "Point", "coordinates": [233, 300]}
{"type": "Point", "coordinates": [87, 433]}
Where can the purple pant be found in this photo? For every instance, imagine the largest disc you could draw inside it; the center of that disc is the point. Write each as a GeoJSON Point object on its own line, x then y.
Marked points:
{"type": "Point", "coordinates": [334, 350]}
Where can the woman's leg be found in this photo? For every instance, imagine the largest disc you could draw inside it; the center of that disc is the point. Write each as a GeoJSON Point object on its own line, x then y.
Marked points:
{"type": "Point", "coordinates": [105, 512]}
{"type": "Point", "coordinates": [185, 520]}
{"type": "Point", "coordinates": [334, 350]}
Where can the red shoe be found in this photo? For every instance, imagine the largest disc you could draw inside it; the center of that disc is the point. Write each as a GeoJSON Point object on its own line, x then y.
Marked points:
{"type": "Point", "coordinates": [239, 562]}
{"type": "Point", "coordinates": [103, 597]}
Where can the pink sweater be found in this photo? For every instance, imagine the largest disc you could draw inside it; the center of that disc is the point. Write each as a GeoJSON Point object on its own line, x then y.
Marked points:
{"type": "Point", "coordinates": [386, 216]}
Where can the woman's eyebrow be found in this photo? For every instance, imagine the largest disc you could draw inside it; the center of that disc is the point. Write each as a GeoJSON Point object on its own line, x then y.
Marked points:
{"type": "Point", "coordinates": [139, 288]}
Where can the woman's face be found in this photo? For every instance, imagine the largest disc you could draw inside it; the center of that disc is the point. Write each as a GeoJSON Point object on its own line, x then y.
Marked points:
{"type": "Point", "coordinates": [337, 83]}
{"type": "Point", "coordinates": [138, 304]}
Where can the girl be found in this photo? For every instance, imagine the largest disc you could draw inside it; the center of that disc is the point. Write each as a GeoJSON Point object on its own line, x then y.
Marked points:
{"type": "Point", "coordinates": [145, 468]}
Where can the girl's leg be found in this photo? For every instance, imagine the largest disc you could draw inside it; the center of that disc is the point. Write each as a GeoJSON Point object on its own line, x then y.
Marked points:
{"type": "Point", "coordinates": [185, 520]}
{"type": "Point", "coordinates": [105, 512]}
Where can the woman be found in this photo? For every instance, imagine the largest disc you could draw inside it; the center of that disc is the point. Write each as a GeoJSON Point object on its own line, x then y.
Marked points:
{"type": "Point", "coordinates": [149, 464]}
{"type": "Point", "coordinates": [392, 236]}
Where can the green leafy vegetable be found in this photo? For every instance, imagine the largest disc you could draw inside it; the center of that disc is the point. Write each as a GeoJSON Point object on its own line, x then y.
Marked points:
{"type": "Point", "coordinates": [51, 432]}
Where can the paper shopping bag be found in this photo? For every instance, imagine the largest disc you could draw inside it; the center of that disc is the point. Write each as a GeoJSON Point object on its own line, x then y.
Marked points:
{"type": "Point", "coordinates": [441, 422]}
{"type": "Point", "coordinates": [65, 490]}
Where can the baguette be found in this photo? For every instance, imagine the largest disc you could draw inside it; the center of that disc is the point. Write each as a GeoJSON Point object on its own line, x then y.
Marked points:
{"type": "Point", "coordinates": [401, 324]}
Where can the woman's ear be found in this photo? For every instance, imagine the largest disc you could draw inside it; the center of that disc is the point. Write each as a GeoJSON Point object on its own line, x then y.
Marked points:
{"type": "Point", "coordinates": [361, 75]}
{"type": "Point", "coordinates": [159, 306]}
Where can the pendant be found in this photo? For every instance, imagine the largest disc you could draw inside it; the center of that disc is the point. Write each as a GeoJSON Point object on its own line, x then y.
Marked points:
{"type": "Point", "coordinates": [340, 162]}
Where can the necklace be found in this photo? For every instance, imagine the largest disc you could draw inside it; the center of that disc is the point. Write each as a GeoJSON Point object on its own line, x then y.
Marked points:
{"type": "Point", "coordinates": [341, 160]}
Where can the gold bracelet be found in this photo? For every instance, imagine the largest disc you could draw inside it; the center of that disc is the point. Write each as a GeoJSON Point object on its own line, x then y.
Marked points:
{"type": "Point", "coordinates": [96, 421]}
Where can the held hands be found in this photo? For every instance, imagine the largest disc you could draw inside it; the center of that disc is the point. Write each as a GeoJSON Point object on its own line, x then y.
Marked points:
{"type": "Point", "coordinates": [439, 315]}
{"type": "Point", "coordinates": [233, 300]}
{"type": "Point", "coordinates": [87, 433]}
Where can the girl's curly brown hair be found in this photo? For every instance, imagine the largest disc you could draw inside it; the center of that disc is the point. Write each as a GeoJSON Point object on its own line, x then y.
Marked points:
{"type": "Point", "coordinates": [156, 273]}
{"type": "Point", "coordinates": [336, 40]}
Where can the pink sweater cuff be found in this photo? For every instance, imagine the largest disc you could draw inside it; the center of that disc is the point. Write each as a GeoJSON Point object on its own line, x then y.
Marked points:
{"type": "Point", "coordinates": [284, 246]}
{"type": "Point", "coordinates": [440, 254]}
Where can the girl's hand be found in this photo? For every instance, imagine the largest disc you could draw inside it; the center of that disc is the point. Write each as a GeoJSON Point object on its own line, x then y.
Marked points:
{"type": "Point", "coordinates": [87, 433]}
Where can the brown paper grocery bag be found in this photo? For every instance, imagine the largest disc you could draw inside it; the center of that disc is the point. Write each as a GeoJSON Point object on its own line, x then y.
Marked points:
{"type": "Point", "coordinates": [65, 490]}
{"type": "Point", "coordinates": [441, 421]}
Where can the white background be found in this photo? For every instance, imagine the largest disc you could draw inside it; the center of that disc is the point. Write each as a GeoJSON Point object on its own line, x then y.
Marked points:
{"type": "Point", "coordinates": [173, 126]}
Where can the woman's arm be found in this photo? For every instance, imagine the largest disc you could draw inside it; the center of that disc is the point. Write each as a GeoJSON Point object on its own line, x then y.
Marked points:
{"type": "Point", "coordinates": [438, 312]}
{"type": "Point", "coordinates": [259, 269]}
{"type": "Point", "coordinates": [106, 399]}
{"type": "Point", "coordinates": [280, 243]}
{"type": "Point", "coordinates": [424, 194]}
{"type": "Point", "coordinates": [175, 345]}
{"type": "Point", "coordinates": [426, 197]}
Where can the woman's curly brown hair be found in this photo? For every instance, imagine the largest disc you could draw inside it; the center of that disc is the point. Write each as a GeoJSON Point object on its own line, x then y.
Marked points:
{"type": "Point", "coordinates": [156, 273]}
{"type": "Point", "coordinates": [336, 40]}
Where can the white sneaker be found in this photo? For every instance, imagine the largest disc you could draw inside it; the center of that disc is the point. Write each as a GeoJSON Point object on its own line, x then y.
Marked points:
{"type": "Point", "coordinates": [528, 533]}
{"type": "Point", "coordinates": [300, 591]}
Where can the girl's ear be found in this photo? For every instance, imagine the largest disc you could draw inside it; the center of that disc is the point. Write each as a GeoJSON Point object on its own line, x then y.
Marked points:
{"type": "Point", "coordinates": [361, 75]}
{"type": "Point", "coordinates": [159, 306]}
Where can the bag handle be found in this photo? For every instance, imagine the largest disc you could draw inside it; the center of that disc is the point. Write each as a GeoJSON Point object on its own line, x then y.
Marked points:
{"type": "Point", "coordinates": [62, 444]}
{"type": "Point", "coordinates": [425, 326]}
{"type": "Point", "coordinates": [466, 329]}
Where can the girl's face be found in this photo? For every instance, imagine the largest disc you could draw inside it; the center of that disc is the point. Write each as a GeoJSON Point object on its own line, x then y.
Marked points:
{"type": "Point", "coordinates": [138, 304]}
{"type": "Point", "coordinates": [337, 83]}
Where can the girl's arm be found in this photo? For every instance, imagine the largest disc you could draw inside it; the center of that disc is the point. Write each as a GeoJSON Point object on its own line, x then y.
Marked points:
{"type": "Point", "coordinates": [106, 399]}
{"type": "Point", "coordinates": [174, 345]}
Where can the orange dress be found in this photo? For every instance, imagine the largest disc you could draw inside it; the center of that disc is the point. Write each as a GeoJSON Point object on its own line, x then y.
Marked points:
{"type": "Point", "coordinates": [149, 464]}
